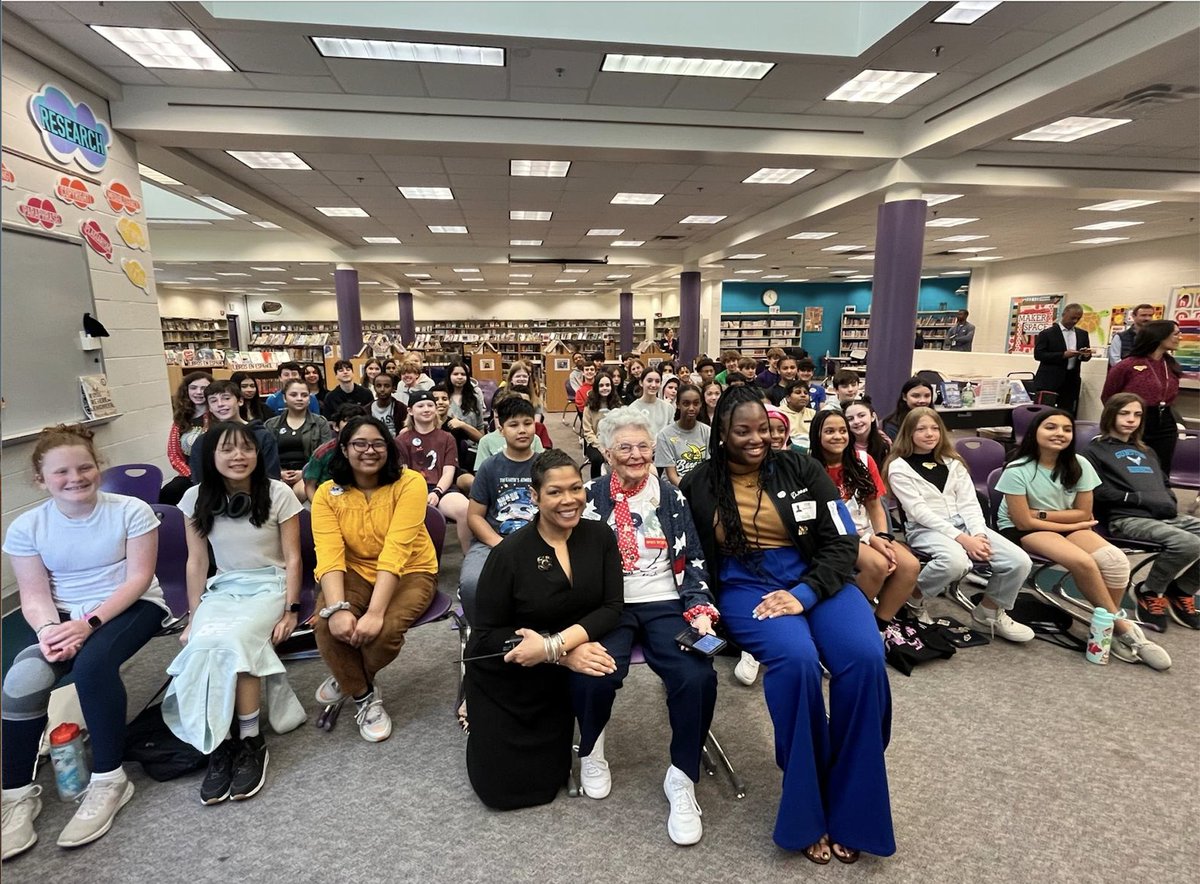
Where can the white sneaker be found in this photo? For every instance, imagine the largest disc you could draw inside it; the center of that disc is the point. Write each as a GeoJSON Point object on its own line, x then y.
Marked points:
{"type": "Point", "coordinates": [999, 623]}
{"type": "Point", "coordinates": [374, 724]}
{"type": "Point", "coordinates": [746, 670]}
{"type": "Point", "coordinates": [16, 820]}
{"type": "Point", "coordinates": [1132, 646]}
{"type": "Point", "coordinates": [329, 691]}
{"type": "Point", "coordinates": [594, 775]}
{"type": "Point", "coordinates": [683, 825]}
{"type": "Point", "coordinates": [920, 610]}
{"type": "Point", "coordinates": [97, 811]}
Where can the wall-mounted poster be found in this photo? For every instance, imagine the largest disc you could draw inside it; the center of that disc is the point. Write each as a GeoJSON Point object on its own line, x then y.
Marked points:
{"type": "Point", "coordinates": [1027, 316]}
{"type": "Point", "coordinates": [1118, 317]}
{"type": "Point", "coordinates": [69, 129]}
{"type": "Point", "coordinates": [813, 318]}
{"type": "Point", "coordinates": [1185, 309]}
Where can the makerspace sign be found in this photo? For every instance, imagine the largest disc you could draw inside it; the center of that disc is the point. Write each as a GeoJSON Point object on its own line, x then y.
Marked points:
{"type": "Point", "coordinates": [70, 130]}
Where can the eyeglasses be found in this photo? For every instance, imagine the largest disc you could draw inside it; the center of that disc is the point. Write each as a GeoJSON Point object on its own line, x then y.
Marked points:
{"type": "Point", "coordinates": [363, 445]}
{"type": "Point", "coordinates": [625, 449]}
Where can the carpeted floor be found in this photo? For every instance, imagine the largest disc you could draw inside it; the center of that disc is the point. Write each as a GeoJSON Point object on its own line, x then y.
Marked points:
{"type": "Point", "coordinates": [1007, 763]}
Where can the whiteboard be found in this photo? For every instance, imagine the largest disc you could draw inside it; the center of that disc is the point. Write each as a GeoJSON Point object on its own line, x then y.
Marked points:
{"type": "Point", "coordinates": [45, 288]}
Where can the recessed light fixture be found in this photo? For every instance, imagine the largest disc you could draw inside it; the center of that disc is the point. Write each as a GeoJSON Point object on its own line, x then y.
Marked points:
{"type": "Point", "coordinates": [1110, 225]}
{"type": "Point", "coordinates": [842, 273]}
{"type": "Point", "coordinates": [342, 211]}
{"type": "Point", "coordinates": [367, 282]}
{"type": "Point", "coordinates": [267, 225]}
{"type": "Point", "coordinates": [936, 199]}
{"type": "Point", "coordinates": [538, 168]}
{"type": "Point", "coordinates": [426, 193]}
{"type": "Point", "coordinates": [479, 290]}
{"type": "Point", "coordinates": [164, 48]}
{"type": "Point", "coordinates": [775, 276]}
{"type": "Point", "coordinates": [777, 176]}
{"type": "Point", "coordinates": [628, 243]}
{"type": "Point", "coordinates": [948, 222]}
{"type": "Point", "coordinates": [417, 275]}
{"type": "Point", "coordinates": [963, 237]}
{"type": "Point", "coordinates": [859, 277]}
{"type": "Point", "coordinates": [703, 219]}
{"type": "Point", "coordinates": [1098, 240]}
{"type": "Point", "coordinates": [747, 271]}
{"type": "Point", "coordinates": [879, 87]}
{"type": "Point", "coordinates": [636, 199]}
{"type": "Point", "coordinates": [425, 282]}
{"type": "Point", "coordinates": [220, 206]}
{"type": "Point", "coordinates": [564, 280]}
{"type": "Point", "coordinates": [524, 242]}
{"type": "Point", "coordinates": [618, 276]}
{"type": "Point", "coordinates": [310, 279]}
{"type": "Point", "coordinates": [842, 248]}
{"type": "Point", "coordinates": [399, 50]}
{"type": "Point", "coordinates": [447, 228]}
{"type": "Point", "coordinates": [1070, 129]}
{"type": "Point", "coordinates": [232, 274]}
{"type": "Point", "coordinates": [985, 258]}
{"type": "Point", "coordinates": [269, 159]}
{"type": "Point", "coordinates": [382, 240]}
{"type": "Point", "coordinates": [870, 257]}
{"type": "Point", "coordinates": [466, 269]}
{"type": "Point", "coordinates": [605, 231]}
{"type": "Point", "coordinates": [268, 269]}
{"type": "Point", "coordinates": [157, 176]}
{"type": "Point", "coordinates": [574, 271]}
{"type": "Point", "coordinates": [746, 256]}
{"type": "Point", "coordinates": [674, 65]}
{"type": "Point", "coordinates": [956, 273]}
{"type": "Point", "coordinates": [520, 276]}
{"type": "Point", "coordinates": [1118, 205]}
{"type": "Point", "coordinates": [967, 12]}
{"type": "Point", "coordinates": [972, 249]}
{"type": "Point", "coordinates": [200, 278]}
{"type": "Point", "coordinates": [798, 279]}
{"type": "Point", "coordinates": [527, 215]}
{"type": "Point", "coordinates": [472, 279]}
{"type": "Point", "coordinates": [272, 282]}
{"type": "Point", "coordinates": [517, 283]}
{"type": "Point", "coordinates": [813, 234]}
{"type": "Point", "coordinates": [181, 222]}
{"type": "Point", "coordinates": [320, 292]}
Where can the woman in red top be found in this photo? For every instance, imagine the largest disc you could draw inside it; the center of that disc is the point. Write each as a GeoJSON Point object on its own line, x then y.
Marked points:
{"type": "Point", "coordinates": [189, 420]}
{"type": "Point", "coordinates": [1151, 372]}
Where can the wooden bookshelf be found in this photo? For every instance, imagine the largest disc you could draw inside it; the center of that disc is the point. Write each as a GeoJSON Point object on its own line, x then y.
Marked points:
{"type": "Point", "coordinates": [753, 334]}
{"type": "Point", "coordinates": [933, 324]}
{"type": "Point", "coordinates": [518, 339]}
{"type": "Point", "coordinates": [181, 333]}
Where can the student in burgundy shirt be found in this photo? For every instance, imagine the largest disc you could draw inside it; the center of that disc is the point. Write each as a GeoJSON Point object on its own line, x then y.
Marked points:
{"type": "Point", "coordinates": [433, 453]}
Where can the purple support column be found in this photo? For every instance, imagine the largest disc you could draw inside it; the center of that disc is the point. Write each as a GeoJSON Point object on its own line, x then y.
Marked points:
{"type": "Point", "coordinates": [408, 328]}
{"type": "Point", "coordinates": [626, 322]}
{"type": "Point", "coordinates": [689, 315]}
{"type": "Point", "coordinates": [899, 244]}
{"type": "Point", "coordinates": [349, 310]}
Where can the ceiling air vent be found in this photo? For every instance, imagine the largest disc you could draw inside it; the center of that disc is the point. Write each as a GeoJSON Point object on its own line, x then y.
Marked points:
{"type": "Point", "coordinates": [1145, 99]}
{"type": "Point", "coordinates": [667, 238]}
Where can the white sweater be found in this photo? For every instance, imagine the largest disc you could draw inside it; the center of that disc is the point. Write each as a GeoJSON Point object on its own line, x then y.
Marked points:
{"type": "Point", "coordinates": [924, 505]}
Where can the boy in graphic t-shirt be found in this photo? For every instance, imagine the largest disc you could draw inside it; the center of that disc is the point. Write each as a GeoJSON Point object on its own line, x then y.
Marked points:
{"type": "Point", "coordinates": [433, 453]}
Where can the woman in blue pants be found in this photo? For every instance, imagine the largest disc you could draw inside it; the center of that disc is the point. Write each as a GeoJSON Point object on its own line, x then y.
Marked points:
{"type": "Point", "coordinates": [782, 548]}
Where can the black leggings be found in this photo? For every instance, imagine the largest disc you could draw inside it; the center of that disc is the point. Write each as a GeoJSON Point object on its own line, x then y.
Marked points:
{"type": "Point", "coordinates": [595, 458]}
{"type": "Point", "coordinates": [1161, 434]}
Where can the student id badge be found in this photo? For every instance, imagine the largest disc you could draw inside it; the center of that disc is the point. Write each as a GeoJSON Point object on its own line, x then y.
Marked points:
{"type": "Point", "coordinates": [804, 510]}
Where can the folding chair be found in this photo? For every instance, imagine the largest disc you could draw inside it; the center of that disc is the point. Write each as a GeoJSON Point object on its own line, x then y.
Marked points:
{"type": "Point", "coordinates": [141, 480]}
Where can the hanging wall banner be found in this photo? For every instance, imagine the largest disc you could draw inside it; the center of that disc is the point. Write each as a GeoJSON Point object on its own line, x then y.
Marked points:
{"type": "Point", "coordinates": [1185, 310]}
{"type": "Point", "coordinates": [74, 192]}
{"type": "Point", "coordinates": [91, 231]}
{"type": "Point", "coordinates": [40, 211]}
{"type": "Point", "coordinates": [9, 179]}
{"type": "Point", "coordinates": [70, 130]}
{"type": "Point", "coordinates": [133, 233]}
{"type": "Point", "coordinates": [121, 199]}
{"type": "Point", "coordinates": [1027, 316]}
{"type": "Point", "coordinates": [136, 272]}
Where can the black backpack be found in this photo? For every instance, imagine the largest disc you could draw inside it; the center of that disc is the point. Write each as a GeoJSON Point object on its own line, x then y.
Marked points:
{"type": "Point", "coordinates": [161, 754]}
{"type": "Point", "coordinates": [1048, 622]}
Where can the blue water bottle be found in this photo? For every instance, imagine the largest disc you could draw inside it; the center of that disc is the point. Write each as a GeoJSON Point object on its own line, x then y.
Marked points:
{"type": "Point", "coordinates": [71, 774]}
{"type": "Point", "coordinates": [1100, 636]}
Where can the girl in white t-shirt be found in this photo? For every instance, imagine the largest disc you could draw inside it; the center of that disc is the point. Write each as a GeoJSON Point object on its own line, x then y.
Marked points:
{"type": "Point", "coordinates": [238, 616]}
{"type": "Point", "coordinates": [1047, 509]}
{"type": "Point", "coordinates": [84, 563]}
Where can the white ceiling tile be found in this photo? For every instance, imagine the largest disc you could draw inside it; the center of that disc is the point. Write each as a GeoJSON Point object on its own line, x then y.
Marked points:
{"type": "Point", "coordinates": [275, 51]}
{"type": "Point", "coordinates": [542, 95]}
{"type": "Point", "coordinates": [360, 76]}
{"type": "Point", "coordinates": [706, 93]}
{"type": "Point", "coordinates": [540, 67]}
{"type": "Point", "coordinates": [293, 83]}
{"type": "Point", "coordinates": [637, 90]}
{"type": "Point", "coordinates": [464, 81]}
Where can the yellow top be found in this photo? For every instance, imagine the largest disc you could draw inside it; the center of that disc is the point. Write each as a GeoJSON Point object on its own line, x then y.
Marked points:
{"type": "Point", "coordinates": [760, 520]}
{"type": "Point", "coordinates": [385, 533]}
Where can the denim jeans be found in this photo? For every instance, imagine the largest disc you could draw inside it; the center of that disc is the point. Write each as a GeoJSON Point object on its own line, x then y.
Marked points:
{"type": "Point", "coordinates": [1180, 539]}
{"type": "Point", "coordinates": [1010, 564]}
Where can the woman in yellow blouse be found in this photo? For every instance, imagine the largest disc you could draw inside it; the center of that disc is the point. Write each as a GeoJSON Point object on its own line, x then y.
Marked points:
{"type": "Point", "coordinates": [376, 566]}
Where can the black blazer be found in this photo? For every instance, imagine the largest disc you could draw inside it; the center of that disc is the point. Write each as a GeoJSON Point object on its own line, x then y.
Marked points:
{"type": "Point", "coordinates": [1048, 350]}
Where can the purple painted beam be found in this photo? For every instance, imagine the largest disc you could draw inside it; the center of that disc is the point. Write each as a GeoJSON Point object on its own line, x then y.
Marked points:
{"type": "Point", "coordinates": [899, 244]}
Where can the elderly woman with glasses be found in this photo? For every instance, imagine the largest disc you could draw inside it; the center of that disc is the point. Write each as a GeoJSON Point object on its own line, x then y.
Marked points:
{"type": "Point", "coordinates": [665, 592]}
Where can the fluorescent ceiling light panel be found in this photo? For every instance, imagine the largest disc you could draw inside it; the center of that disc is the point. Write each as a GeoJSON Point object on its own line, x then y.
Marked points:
{"type": "Point", "coordinates": [1070, 129]}
{"type": "Point", "coordinates": [963, 237]}
{"type": "Point", "coordinates": [232, 274]}
{"type": "Point", "coordinates": [342, 211]}
{"type": "Point", "coordinates": [985, 258]}
{"type": "Point", "coordinates": [466, 269]}
{"type": "Point", "coordinates": [309, 279]}
{"type": "Point", "coordinates": [804, 279]}
{"type": "Point", "coordinates": [155, 175]}
{"type": "Point", "coordinates": [605, 231]}
{"type": "Point", "coordinates": [1118, 205]}
{"type": "Point", "coordinates": [936, 199]}
{"type": "Point", "coordinates": [967, 12]}
{"type": "Point", "coordinates": [269, 159]}
{"type": "Point", "coordinates": [636, 199]}
{"type": "Point", "coordinates": [775, 276]}
{"type": "Point", "coordinates": [518, 283]}
{"type": "Point", "coordinates": [574, 271]}
{"type": "Point", "coordinates": [524, 242]}
{"type": "Point", "coordinates": [399, 50]}
{"type": "Point", "coordinates": [183, 222]}
{"type": "Point", "coordinates": [949, 222]}
{"type": "Point", "coordinates": [527, 215]}
{"type": "Point", "coordinates": [520, 276]}
{"type": "Point", "coordinates": [268, 269]}
{"type": "Point", "coordinates": [879, 87]}
{"type": "Point", "coordinates": [164, 48]}
{"type": "Point", "coordinates": [538, 168]}
{"type": "Point", "coordinates": [472, 279]}
{"type": "Point", "coordinates": [272, 282]}
{"type": "Point", "coordinates": [220, 206]}
{"type": "Point", "coordinates": [564, 280]}
{"type": "Point", "coordinates": [364, 282]}
{"type": "Point", "coordinates": [957, 273]}
{"type": "Point", "coordinates": [747, 271]}
{"type": "Point", "coordinates": [618, 276]}
{"type": "Point", "coordinates": [870, 257]}
{"type": "Point", "coordinates": [447, 228]}
{"type": "Point", "coordinates": [417, 275]}
{"type": "Point", "coordinates": [777, 176]}
{"type": "Point", "coordinates": [813, 234]}
{"type": "Point", "coordinates": [425, 282]}
{"type": "Point", "coordinates": [746, 256]}
{"type": "Point", "coordinates": [673, 65]}
{"type": "Point", "coordinates": [842, 273]}
{"type": "Point", "coordinates": [628, 243]}
{"type": "Point", "coordinates": [381, 240]}
{"type": "Point", "coordinates": [1097, 240]}
{"type": "Point", "coordinates": [200, 278]}
{"type": "Point", "coordinates": [267, 225]}
{"type": "Point", "coordinates": [1110, 225]}
{"type": "Point", "coordinates": [972, 249]}
{"type": "Point", "coordinates": [426, 193]}
{"type": "Point", "coordinates": [842, 248]}
{"type": "Point", "coordinates": [703, 219]}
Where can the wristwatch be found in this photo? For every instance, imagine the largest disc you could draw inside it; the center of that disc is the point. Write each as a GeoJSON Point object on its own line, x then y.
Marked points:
{"type": "Point", "coordinates": [1042, 515]}
{"type": "Point", "coordinates": [94, 622]}
{"type": "Point", "coordinates": [294, 608]}
{"type": "Point", "coordinates": [326, 613]}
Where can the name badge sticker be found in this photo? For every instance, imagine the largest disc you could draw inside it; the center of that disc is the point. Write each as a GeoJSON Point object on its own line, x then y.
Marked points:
{"type": "Point", "coordinates": [804, 510]}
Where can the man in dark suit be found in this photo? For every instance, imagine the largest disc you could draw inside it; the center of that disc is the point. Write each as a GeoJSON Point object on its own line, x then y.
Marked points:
{"type": "Point", "coordinates": [1060, 351]}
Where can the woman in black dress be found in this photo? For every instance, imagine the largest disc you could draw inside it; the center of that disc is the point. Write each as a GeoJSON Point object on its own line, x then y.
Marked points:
{"type": "Point", "coordinates": [556, 584]}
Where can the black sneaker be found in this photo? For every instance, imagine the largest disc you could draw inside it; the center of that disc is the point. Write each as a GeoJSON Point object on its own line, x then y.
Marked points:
{"type": "Point", "coordinates": [1182, 607]}
{"type": "Point", "coordinates": [1152, 610]}
{"type": "Point", "coordinates": [215, 787]}
{"type": "Point", "coordinates": [250, 768]}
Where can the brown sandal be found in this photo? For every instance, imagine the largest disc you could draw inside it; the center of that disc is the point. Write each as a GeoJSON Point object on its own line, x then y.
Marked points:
{"type": "Point", "coordinates": [845, 854]}
{"type": "Point", "coordinates": [819, 852]}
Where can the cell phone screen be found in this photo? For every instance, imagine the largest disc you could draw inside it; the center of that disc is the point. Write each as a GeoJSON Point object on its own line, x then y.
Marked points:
{"type": "Point", "coordinates": [708, 644]}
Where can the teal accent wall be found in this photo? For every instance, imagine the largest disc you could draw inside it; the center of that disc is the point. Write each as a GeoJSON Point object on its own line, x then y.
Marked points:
{"type": "Point", "coordinates": [746, 297]}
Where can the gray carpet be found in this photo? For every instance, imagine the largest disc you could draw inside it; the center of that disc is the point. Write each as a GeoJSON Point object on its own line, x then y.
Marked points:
{"type": "Point", "coordinates": [1006, 763]}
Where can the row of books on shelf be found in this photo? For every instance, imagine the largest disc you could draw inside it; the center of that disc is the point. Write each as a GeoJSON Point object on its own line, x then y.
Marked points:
{"type": "Point", "coordinates": [287, 339]}
{"type": "Point", "coordinates": [242, 360]}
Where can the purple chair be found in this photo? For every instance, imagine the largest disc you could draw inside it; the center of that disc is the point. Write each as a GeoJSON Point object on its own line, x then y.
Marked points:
{"type": "Point", "coordinates": [1185, 468]}
{"type": "Point", "coordinates": [982, 457]}
{"type": "Point", "coordinates": [1085, 432]}
{"type": "Point", "coordinates": [140, 480]}
{"type": "Point", "coordinates": [171, 567]}
{"type": "Point", "coordinates": [488, 388]}
{"type": "Point", "coordinates": [1022, 417]}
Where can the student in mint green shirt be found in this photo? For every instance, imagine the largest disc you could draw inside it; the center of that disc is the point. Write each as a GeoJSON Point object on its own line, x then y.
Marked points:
{"type": "Point", "coordinates": [1047, 509]}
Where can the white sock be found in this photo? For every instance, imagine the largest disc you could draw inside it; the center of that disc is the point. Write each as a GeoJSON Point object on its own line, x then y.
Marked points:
{"type": "Point", "coordinates": [111, 776]}
{"type": "Point", "coordinates": [248, 725]}
{"type": "Point", "coordinates": [15, 794]}
{"type": "Point", "coordinates": [674, 773]}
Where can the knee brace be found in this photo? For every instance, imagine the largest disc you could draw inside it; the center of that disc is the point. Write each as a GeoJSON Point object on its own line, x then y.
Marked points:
{"type": "Point", "coordinates": [27, 686]}
{"type": "Point", "coordinates": [1113, 565]}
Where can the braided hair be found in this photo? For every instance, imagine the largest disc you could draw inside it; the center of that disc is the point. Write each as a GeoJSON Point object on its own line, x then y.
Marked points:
{"type": "Point", "coordinates": [719, 477]}
{"type": "Point", "coordinates": [856, 478]}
